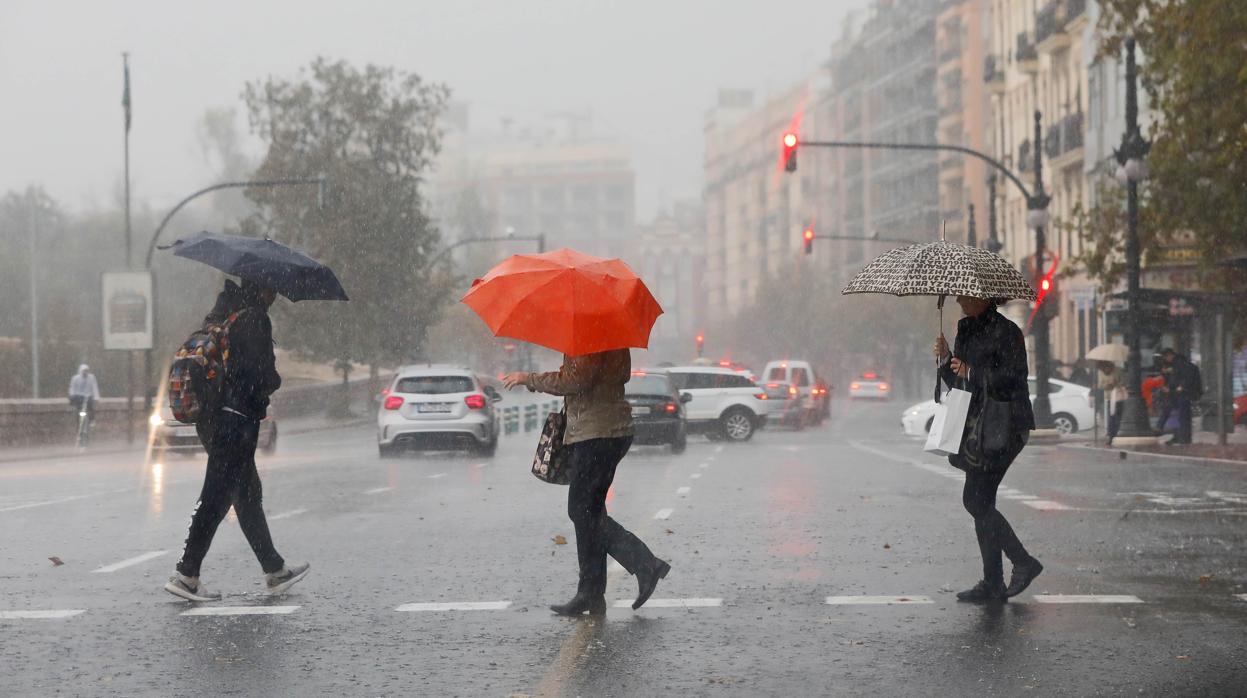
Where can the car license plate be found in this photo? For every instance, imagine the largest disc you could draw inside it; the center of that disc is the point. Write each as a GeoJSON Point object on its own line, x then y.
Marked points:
{"type": "Point", "coordinates": [185, 431]}
{"type": "Point", "coordinates": [427, 407]}
{"type": "Point", "coordinates": [638, 411]}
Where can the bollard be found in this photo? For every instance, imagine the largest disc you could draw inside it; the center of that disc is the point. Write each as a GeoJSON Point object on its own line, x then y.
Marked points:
{"type": "Point", "coordinates": [510, 420]}
{"type": "Point", "coordinates": [530, 417]}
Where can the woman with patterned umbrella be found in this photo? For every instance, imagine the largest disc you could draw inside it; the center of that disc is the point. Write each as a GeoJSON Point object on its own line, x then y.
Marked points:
{"type": "Point", "coordinates": [990, 356]}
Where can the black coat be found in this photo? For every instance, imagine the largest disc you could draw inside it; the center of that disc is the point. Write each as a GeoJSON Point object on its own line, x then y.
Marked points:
{"type": "Point", "coordinates": [995, 350]}
{"type": "Point", "coordinates": [251, 369]}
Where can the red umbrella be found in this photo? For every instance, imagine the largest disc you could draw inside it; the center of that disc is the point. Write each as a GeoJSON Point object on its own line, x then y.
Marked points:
{"type": "Point", "coordinates": [567, 301]}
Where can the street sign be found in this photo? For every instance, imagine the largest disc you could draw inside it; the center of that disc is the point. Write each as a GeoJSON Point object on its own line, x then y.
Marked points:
{"type": "Point", "coordinates": [127, 310]}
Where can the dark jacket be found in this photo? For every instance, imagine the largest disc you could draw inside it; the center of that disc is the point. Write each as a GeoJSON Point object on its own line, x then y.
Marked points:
{"type": "Point", "coordinates": [995, 350]}
{"type": "Point", "coordinates": [250, 369]}
{"type": "Point", "coordinates": [1185, 380]}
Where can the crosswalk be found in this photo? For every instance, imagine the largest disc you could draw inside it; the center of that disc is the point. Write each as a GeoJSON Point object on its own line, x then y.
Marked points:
{"type": "Point", "coordinates": [654, 604]}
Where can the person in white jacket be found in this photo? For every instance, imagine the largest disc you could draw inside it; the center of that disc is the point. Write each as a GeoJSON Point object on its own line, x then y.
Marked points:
{"type": "Point", "coordinates": [84, 388]}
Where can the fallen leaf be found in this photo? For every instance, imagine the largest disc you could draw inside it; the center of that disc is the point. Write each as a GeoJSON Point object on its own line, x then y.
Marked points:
{"type": "Point", "coordinates": [56, 561]}
{"type": "Point", "coordinates": [887, 546]}
{"type": "Point", "coordinates": [1205, 578]}
{"type": "Point", "coordinates": [560, 540]}
{"type": "Point", "coordinates": [1184, 657]}
{"type": "Point", "coordinates": [668, 531]}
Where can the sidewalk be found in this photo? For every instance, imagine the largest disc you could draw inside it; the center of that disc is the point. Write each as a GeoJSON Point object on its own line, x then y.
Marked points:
{"type": "Point", "coordinates": [1204, 449]}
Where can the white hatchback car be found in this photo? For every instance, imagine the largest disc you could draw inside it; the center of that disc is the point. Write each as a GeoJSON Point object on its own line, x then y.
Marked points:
{"type": "Point", "coordinates": [438, 408]}
{"type": "Point", "coordinates": [724, 404]}
{"type": "Point", "coordinates": [1071, 409]}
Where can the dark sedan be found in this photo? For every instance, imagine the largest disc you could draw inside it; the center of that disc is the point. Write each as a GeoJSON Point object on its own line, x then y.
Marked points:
{"type": "Point", "coordinates": [657, 410]}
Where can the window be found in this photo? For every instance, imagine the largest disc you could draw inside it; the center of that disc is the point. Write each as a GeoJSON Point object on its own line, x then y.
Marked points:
{"type": "Point", "coordinates": [778, 373]}
{"type": "Point", "coordinates": [648, 385]}
{"type": "Point", "coordinates": [801, 377]}
{"type": "Point", "coordinates": [1053, 388]}
{"type": "Point", "coordinates": [697, 381]}
{"type": "Point", "coordinates": [733, 381]}
{"type": "Point", "coordinates": [435, 385]}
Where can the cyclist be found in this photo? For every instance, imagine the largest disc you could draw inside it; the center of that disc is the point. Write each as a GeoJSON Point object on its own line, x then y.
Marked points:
{"type": "Point", "coordinates": [84, 391]}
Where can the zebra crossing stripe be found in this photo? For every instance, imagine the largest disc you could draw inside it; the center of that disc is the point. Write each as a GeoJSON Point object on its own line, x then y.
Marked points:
{"type": "Point", "coordinates": [674, 603]}
{"type": "Point", "coordinates": [1241, 597]}
{"type": "Point", "coordinates": [454, 606]}
{"type": "Point", "coordinates": [240, 611]}
{"type": "Point", "coordinates": [42, 615]}
{"type": "Point", "coordinates": [137, 559]}
{"type": "Point", "coordinates": [1086, 598]}
{"type": "Point", "coordinates": [663, 514]}
{"type": "Point", "coordinates": [877, 600]}
{"type": "Point", "coordinates": [1045, 505]}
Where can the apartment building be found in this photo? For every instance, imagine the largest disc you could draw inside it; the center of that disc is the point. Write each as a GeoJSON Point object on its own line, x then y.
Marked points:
{"type": "Point", "coordinates": [963, 59]}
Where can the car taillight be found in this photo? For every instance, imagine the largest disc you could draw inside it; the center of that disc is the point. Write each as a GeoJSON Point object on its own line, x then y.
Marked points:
{"type": "Point", "coordinates": [475, 402]}
{"type": "Point", "coordinates": [883, 387]}
{"type": "Point", "coordinates": [760, 396]}
{"type": "Point", "coordinates": [393, 402]}
{"type": "Point", "coordinates": [670, 408]}
{"type": "Point", "coordinates": [792, 390]}
{"type": "Point", "coordinates": [855, 386]}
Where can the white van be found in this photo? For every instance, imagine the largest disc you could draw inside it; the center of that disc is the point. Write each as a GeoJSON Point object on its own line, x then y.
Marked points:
{"type": "Point", "coordinates": [798, 374]}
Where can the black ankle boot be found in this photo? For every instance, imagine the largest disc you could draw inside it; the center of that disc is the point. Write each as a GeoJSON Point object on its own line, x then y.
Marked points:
{"type": "Point", "coordinates": [647, 579]}
{"type": "Point", "coordinates": [984, 591]}
{"type": "Point", "coordinates": [594, 604]}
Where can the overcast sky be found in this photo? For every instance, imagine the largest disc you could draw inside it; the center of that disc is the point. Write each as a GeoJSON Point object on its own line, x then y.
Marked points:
{"type": "Point", "coordinates": [648, 70]}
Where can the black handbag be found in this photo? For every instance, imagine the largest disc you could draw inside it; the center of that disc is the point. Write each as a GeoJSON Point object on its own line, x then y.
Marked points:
{"type": "Point", "coordinates": [551, 463]}
{"type": "Point", "coordinates": [990, 436]}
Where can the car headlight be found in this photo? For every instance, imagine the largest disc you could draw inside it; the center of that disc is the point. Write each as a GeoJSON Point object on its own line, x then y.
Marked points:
{"type": "Point", "coordinates": [156, 420]}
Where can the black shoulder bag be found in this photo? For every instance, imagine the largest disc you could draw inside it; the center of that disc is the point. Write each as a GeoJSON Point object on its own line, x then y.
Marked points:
{"type": "Point", "coordinates": [551, 463]}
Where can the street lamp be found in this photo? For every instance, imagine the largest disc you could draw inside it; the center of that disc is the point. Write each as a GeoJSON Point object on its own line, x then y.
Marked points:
{"type": "Point", "coordinates": [36, 206]}
{"type": "Point", "coordinates": [1037, 217]}
{"type": "Point", "coordinates": [1132, 169]}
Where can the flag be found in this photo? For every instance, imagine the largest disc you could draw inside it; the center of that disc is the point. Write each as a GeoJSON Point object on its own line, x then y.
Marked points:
{"type": "Point", "coordinates": [125, 96]}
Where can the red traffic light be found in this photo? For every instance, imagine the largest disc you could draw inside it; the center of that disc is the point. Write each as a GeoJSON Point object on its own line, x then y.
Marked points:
{"type": "Point", "coordinates": [789, 155]}
{"type": "Point", "coordinates": [808, 237]}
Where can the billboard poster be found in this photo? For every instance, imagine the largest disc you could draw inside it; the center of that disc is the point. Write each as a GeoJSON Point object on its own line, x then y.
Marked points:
{"type": "Point", "coordinates": [128, 310]}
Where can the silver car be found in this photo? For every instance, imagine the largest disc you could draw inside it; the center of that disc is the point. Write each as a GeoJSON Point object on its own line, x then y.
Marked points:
{"type": "Point", "coordinates": [438, 408]}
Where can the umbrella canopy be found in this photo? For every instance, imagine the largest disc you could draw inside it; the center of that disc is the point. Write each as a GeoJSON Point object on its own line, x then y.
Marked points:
{"type": "Point", "coordinates": [289, 271]}
{"type": "Point", "coordinates": [567, 301]}
{"type": "Point", "coordinates": [1116, 353]}
{"type": "Point", "coordinates": [941, 269]}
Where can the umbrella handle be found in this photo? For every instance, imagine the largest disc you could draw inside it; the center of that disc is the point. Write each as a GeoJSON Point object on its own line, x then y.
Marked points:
{"type": "Point", "coordinates": [939, 305]}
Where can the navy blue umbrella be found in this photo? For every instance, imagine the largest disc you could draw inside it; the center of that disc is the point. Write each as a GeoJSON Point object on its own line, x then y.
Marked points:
{"type": "Point", "coordinates": [289, 271]}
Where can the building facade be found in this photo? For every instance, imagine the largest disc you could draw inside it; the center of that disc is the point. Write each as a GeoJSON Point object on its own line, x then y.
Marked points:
{"type": "Point", "coordinates": [963, 46]}
{"type": "Point", "coordinates": [670, 254]}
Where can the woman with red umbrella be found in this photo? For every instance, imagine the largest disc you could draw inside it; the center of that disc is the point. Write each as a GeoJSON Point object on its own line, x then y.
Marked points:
{"type": "Point", "coordinates": [592, 310]}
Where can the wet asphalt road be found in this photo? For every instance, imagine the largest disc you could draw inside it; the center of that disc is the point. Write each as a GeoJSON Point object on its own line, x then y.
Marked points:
{"type": "Point", "coordinates": [773, 545]}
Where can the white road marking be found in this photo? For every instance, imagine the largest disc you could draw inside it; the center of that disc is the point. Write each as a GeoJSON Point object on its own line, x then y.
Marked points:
{"type": "Point", "coordinates": [240, 610]}
{"type": "Point", "coordinates": [876, 600]}
{"type": "Point", "coordinates": [49, 502]}
{"type": "Point", "coordinates": [673, 603]}
{"type": "Point", "coordinates": [683, 491]}
{"type": "Point", "coordinates": [437, 475]}
{"type": "Point", "coordinates": [454, 606]}
{"type": "Point", "coordinates": [1020, 497]}
{"type": "Point", "coordinates": [694, 476]}
{"type": "Point", "coordinates": [480, 465]}
{"type": "Point", "coordinates": [1045, 505]}
{"type": "Point", "coordinates": [41, 615]}
{"type": "Point", "coordinates": [1086, 598]}
{"type": "Point", "coordinates": [287, 514]}
{"type": "Point", "coordinates": [378, 490]}
{"type": "Point", "coordinates": [1241, 597]}
{"type": "Point", "coordinates": [704, 466]}
{"type": "Point", "coordinates": [664, 514]}
{"type": "Point", "coordinates": [718, 449]}
{"type": "Point", "coordinates": [130, 561]}
{"type": "Point", "coordinates": [1231, 497]}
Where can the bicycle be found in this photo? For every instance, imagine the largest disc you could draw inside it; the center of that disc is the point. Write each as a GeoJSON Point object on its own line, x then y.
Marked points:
{"type": "Point", "coordinates": [83, 404]}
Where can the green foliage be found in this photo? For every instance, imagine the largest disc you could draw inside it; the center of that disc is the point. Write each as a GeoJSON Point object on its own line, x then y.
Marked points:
{"type": "Point", "coordinates": [1194, 71]}
{"type": "Point", "coordinates": [372, 134]}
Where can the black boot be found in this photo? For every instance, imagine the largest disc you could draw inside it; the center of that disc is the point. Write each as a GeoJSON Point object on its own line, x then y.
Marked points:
{"type": "Point", "coordinates": [1023, 575]}
{"type": "Point", "coordinates": [647, 579]}
{"type": "Point", "coordinates": [984, 592]}
{"type": "Point", "coordinates": [594, 604]}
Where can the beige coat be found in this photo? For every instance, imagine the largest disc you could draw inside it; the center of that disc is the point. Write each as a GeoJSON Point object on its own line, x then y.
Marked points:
{"type": "Point", "coordinates": [593, 388]}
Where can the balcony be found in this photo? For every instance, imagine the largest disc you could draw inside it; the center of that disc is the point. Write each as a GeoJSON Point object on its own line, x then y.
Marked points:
{"type": "Point", "coordinates": [1064, 140]}
{"type": "Point", "coordinates": [1024, 157]}
{"type": "Point", "coordinates": [1026, 55]}
{"type": "Point", "coordinates": [1050, 34]}
{"type": "Point", "coordinates": [950, 51]}
{"type": "Point", "coordinates": [1076, 15]}
{"type": "Point", "coordinates": [993, 75]}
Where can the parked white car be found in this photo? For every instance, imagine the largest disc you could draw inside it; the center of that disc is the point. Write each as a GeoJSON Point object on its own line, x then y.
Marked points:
{"type": "Point", "coordinates": [724, 404]}
{"type": "Point", "coordinates": [438, 408]}
{"type": "Point", "coordinates": [1071, 409]}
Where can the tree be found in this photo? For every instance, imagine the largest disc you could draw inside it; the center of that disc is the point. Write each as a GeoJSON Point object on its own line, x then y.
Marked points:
{"type": "Point", "coordinates": [1195, 77]}
{"type": "Point", "coordinates": [373, 134]}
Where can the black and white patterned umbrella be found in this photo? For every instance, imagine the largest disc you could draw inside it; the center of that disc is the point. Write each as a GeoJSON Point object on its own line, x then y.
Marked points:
{"type": "Point", "coordinates": [942, 269]}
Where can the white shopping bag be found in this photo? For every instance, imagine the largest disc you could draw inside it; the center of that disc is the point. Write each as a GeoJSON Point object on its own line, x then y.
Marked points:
{"type": "Point", "coordinates": [949, 424]}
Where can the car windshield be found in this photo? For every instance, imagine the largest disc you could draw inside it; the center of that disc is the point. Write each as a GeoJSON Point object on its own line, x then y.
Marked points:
{"type": "Point", "coordinates": [648, 385]}
{"type": "Point", "coordinates": [434, 385]}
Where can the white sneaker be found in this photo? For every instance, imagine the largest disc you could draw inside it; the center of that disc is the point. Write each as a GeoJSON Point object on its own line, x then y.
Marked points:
{"type": "Point", "coordinates": [178, 586]}
{"type": "Point", "coordinates": [279, 582]}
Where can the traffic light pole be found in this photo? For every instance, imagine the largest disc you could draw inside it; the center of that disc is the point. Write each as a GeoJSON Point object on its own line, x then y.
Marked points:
{"type": "Point", "coordinates": [1036, 203]}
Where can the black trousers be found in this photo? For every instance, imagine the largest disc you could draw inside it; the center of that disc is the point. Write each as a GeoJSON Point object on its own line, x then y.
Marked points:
{"type": "Point", "coordinates": [231, 480]}
{"type": "Point", "coordinates": [593, 464]}
{"type": "Point", "coordinates": [994, 533]}
{"type": "Point", "coordinates": [1114, 419]}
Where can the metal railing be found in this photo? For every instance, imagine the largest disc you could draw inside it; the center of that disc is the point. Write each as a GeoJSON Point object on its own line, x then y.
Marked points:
{"type": "Point", "coordinates": [1026, 49]}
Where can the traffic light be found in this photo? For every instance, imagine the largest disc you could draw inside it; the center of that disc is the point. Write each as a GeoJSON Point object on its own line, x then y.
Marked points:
{"type": "Point", "coordinates": [1048, 299]}
{"type": "Point", "coordinates": [701, 344]}
{"type": "Point", "coordinates": [790, 152]}
{"type": "Point", "coordinates": [808, 238]}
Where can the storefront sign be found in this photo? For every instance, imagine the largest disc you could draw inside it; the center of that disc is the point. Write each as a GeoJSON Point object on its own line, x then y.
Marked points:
{"type": "Point", "coordinates": [128, 310]}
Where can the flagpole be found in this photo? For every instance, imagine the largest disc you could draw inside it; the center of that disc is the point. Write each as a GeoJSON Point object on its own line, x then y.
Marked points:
{"type": "Point", "coordinates": [125, 103]}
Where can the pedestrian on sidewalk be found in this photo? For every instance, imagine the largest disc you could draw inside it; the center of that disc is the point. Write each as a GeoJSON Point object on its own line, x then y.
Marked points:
{"type": "Point", "coordinates": [229, 430]}
{"type": "Point", "coordinates": [84, 390]}
{"type": "Point", "coordinates": [598, 433]}
{"type": "Point", "coordinates": [1114, 389]}
{"type": "Point", "coordinates": [989, 357]}
{"type": "Point", "coordinates": [1185, 387]}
